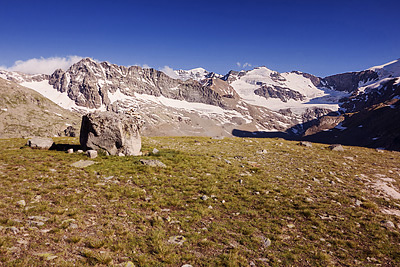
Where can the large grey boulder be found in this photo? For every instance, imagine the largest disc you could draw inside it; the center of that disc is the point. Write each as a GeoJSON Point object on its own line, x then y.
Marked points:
{"type": "Point", "coordinates": [40, 143]}
{"type": "Point", "coordinates": [115, 133]}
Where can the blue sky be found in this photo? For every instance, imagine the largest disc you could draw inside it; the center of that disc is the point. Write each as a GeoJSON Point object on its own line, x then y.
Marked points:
{"type": "Point", "coordinates": [318, 37]}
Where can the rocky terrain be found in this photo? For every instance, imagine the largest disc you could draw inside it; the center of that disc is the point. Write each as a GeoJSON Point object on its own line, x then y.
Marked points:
{"type": "Point", "coordinates": [197, 102]}
{"type": "Point", "coordinates": [200, 201]}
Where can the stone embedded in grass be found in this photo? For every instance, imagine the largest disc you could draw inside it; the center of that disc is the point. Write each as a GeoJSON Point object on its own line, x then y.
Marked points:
{"type": "Point", "coordinates": [66, 223]}
{"type": "Point", "coordinates": [266, 242]}
{"type": "Point", "coordinates": [36, 223]}
{"type": "Point", "coordinates": [336, 147]}
{"type": "Point", "coordinates": [126, 264]}
{"type": "Point", "coordinates": [21, 203]}
{"type": "Point", "coordinates": [305, 143]}
{"type": "Point", "coordinates": [70, 151]}
{"type": "Point", "coordinates": [178, 240]}
{"type": "Point", "coordinates": [91, 153]}
{"type": "Point", "coordinates": [83, 163]}
{"type": "Point", "coordinates": [40, 143]}
{"type": "Point", "coordinates": [122, 214]}
{"type": "Point", "coordinates": [38, 218]}
{"type": "Point", "coordinates": [153, 163]}
{"type": "Point", "coordinates": [388, 224]}
{"type": "Point", "coordinates": [47, 256]}
{"type": "Point", "coordinates": [13, 229]}
{"type": "Point", "coordinates": [204, 197]}
{"type": "Point", "coordinates": [155, 151]}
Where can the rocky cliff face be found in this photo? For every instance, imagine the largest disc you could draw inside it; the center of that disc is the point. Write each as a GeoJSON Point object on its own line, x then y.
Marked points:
{"type": "Point", "coordinates": [349, 81]}
{"type": "Point", "coordinates": [90, 84]}
{"type": "Point", "coordinates": [379, 92]}
{"type": "Point", "coordinates": [283, 93]}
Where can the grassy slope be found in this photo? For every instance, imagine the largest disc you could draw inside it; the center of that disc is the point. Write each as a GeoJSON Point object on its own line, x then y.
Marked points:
{"type": "Point", "coordinates": [315, 205]}
{"type": "Point", "coordinates": [24, 112]}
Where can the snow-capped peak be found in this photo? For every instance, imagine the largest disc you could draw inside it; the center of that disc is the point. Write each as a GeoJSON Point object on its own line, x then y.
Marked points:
{"type": "Point", "coordinates": [390, 69]}
{"type": "Point", "coordinates": [197, 74]}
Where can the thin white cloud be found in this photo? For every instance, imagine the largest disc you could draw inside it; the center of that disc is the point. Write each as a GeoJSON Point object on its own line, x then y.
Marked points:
{"type": "Point", "coordinates": [238, 64]}
{"type": "Point", "coordinates": [169, 71]}
{"type": "Point", "coordinates": [246, 65]}
{"type": "Point", "coordinates": [43, 65]}
{"type": "Point", "coordinates": [145, 66]}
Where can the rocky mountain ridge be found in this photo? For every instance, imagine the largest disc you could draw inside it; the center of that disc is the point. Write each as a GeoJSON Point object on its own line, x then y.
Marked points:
{"type": "Point", "coordinates": [205, 103]}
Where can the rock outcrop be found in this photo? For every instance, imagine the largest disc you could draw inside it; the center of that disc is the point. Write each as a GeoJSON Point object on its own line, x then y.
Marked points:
{"type": "Point", "coordinates": [40, 143]}
{"type": "Point", "coordinates": [348, 81]}
{"type": "Point", "coordinates": [90, 83]}
{"type": "Point", "coordinates": [114, 133]}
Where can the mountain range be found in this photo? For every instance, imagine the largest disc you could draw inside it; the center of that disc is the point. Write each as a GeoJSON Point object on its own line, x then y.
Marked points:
{"type": "Point", "coordinates": [354, 108]}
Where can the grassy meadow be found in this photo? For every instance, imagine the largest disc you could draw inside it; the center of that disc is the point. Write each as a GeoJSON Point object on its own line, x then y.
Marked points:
{"type": "Point", "coordinates": [218, 202]}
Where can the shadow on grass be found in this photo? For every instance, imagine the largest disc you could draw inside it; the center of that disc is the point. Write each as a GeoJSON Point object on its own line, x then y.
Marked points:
{"type": "Point", "coordinates": [65, 147]}
{"type": "Point", "coordinates": [261, 134]}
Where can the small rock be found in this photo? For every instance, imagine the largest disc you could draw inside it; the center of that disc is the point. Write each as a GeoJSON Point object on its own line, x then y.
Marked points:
{"type": "Point", "coordinates": [155, 151]}
{"type": "Point", "coordinates": [40, 143]}
{"type": "Point", "coordinates": [358, 203]}
{"type": "Point", "coordinates": [336, 147]}
{"type": "Point", "coordinates": [227, 161]}
{"type": "Point", "coordinates": [380, 150]}
{"type": "Point", "coordinates": [120, 154]}
{"type": "Point", "coordinates": [13, 229]}
{"type": "Point", "coordinates": [240, 181]}
{"type": "Point", "coordinates": [305, 143]}
{"type": "Point", "coordinates": [153, 163]}
{"type": "Point", "coordinates": [80, 151]}
{"type": "Point", "coordinates": [38, 218]}
{"type": "Point", "coordinates": [179, 240]}
{"type": "Point", "coordinates": [122, 214]}
{"type": "Point", "coordinates": [127, 264]}
{"type": "Point", "coordinates": [92, 154]}
{"type": "Point", "coordinates": [210, 207]}
{"type": "Point", "coordinates": [389, 224]}
{"type": "Point", "coordinates": [36, 223]}
{"type": "Point", "coordinates": [70, 151]}
{"type": "Point", "coordinates": [204, 197]}
{"type": "Point", "coordinates": [83, 163]}
{"type": "Point", "coordinates": [262, 151]}
{"type": "Point", "coordinates": [186, 265]}
{"type": "Point", "coordinates": [266, 242]}
{"type": "Point", "coordinates": [73, 226]}
{"type": "Point", "coordinates": [21, 203]}
{"type": "Point", "coordinates": [22, 242]}
{"type": "Point", "coordinates": [291, 225]}
{"type": "Point", "coordinates": [223, 201]}
{"type": "Point", "coordinates": [67, 222]}
{"type": "Point", "coordinates": [47, 256]}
